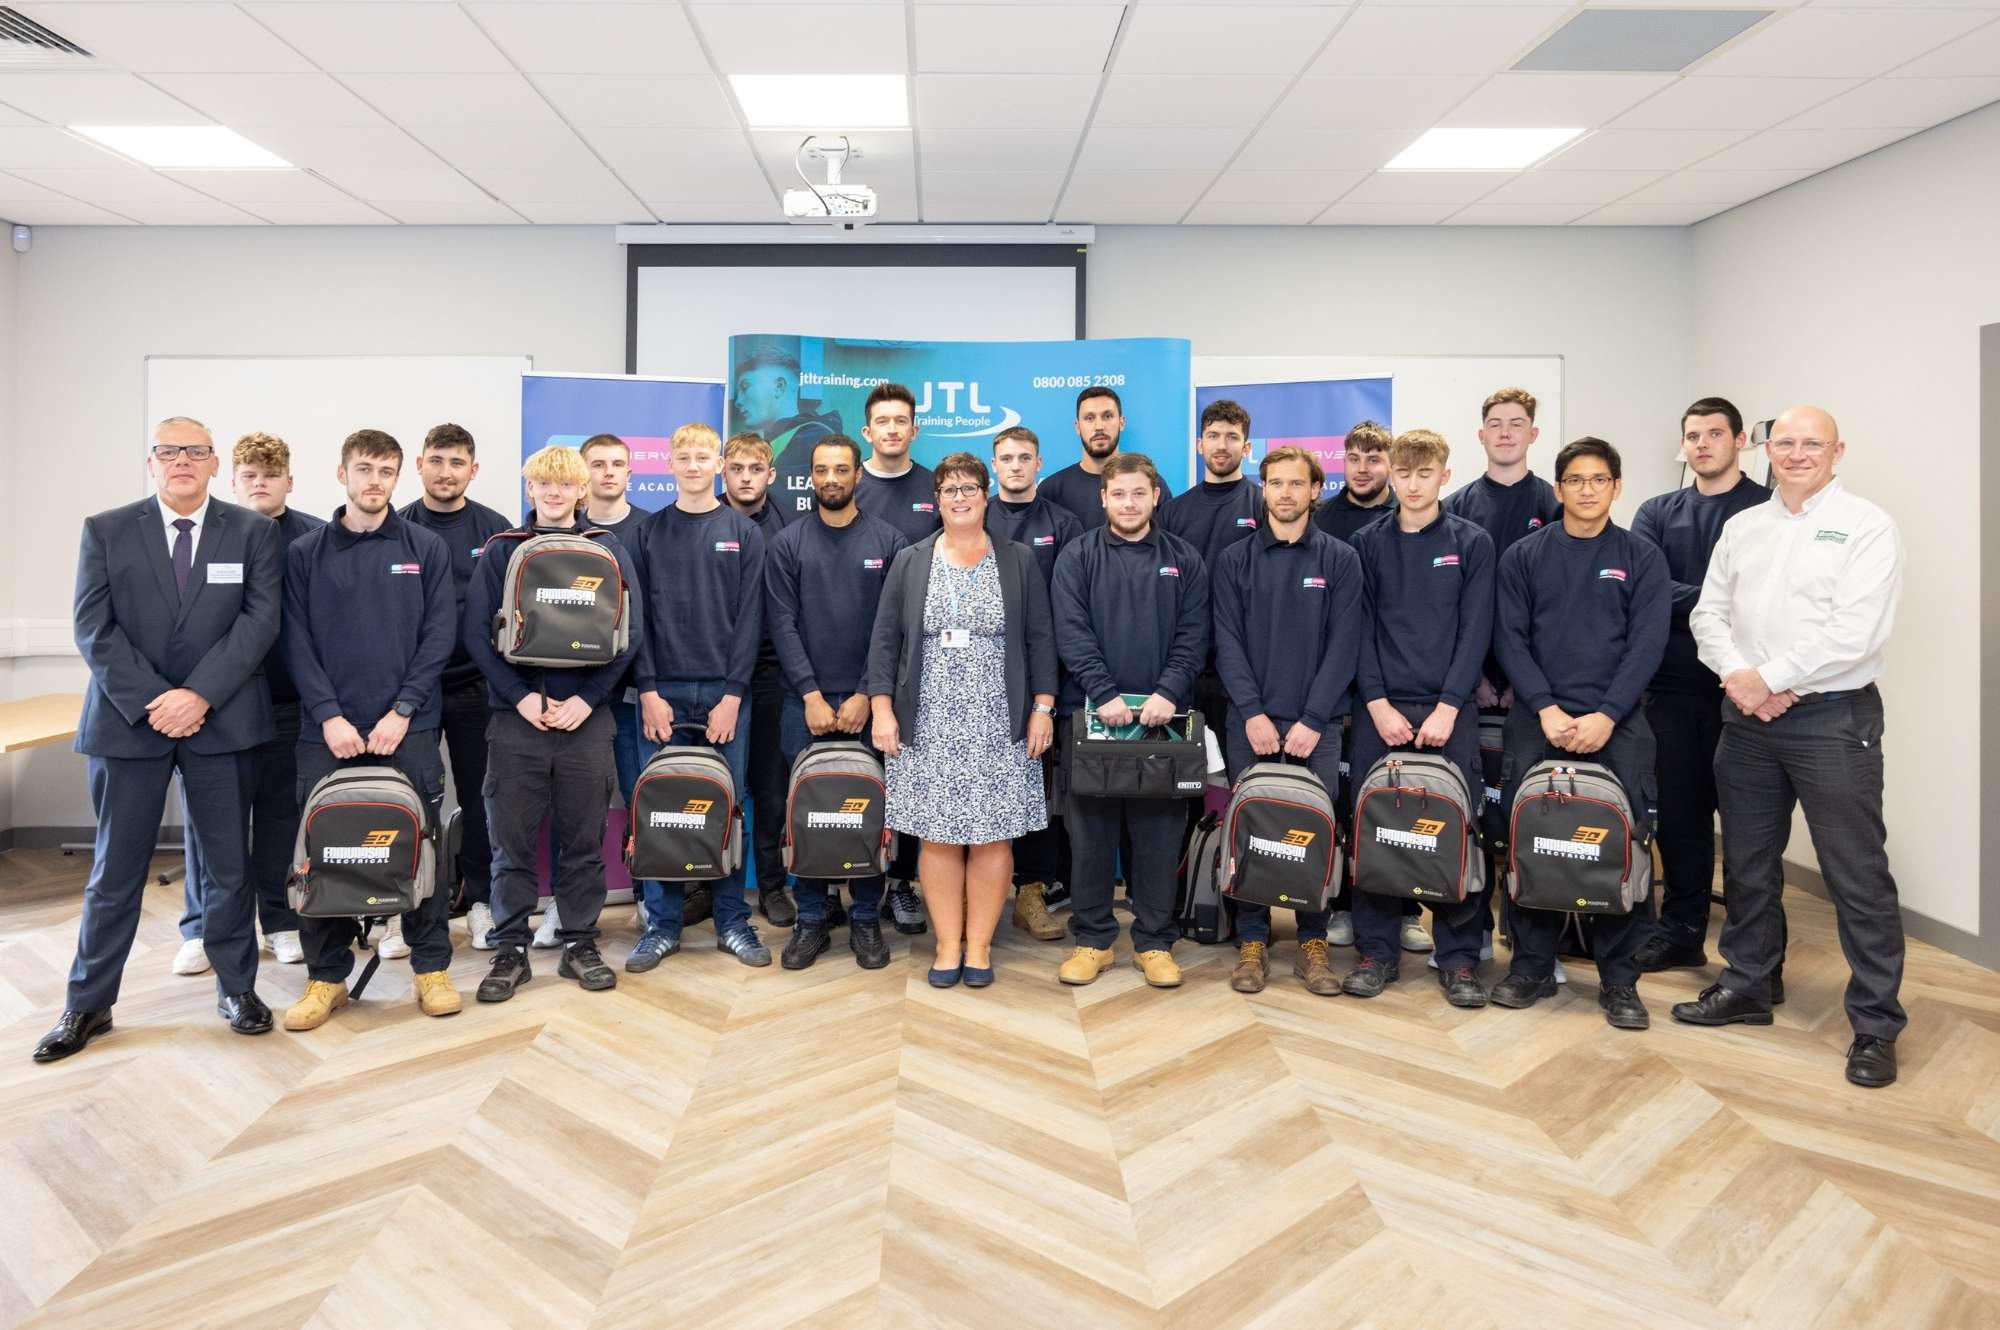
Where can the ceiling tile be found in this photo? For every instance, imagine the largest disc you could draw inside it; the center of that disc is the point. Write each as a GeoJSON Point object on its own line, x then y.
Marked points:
{"type": "Point", "coordinates": [1684, 4]}
{"type": "Point", "coordinates": [256, 100]}
{"type": "Point", "coordinates": [570, 212]}
{"type": "Point", "coordinates": [1810, 149]}
{"type": "Point", "coordinates": [1321, 187]}
{"type": "Point", "coordinates": [639, 100]}
{"type": "Point", "coordinates": [1157, 149]}
{"type": "Point", "coordinates": [1022, 101]}
{"type": "Point", "coordinates": [13, 189]}
{"type": "Point", "coordinates": [93, 99]}
{"type": "Point", "coordinates": [1253, 214]}
{"type": "Point", "coordinates": [380, 149]}
{"type": "Point", "coordinates": [1908, 103]}
{"type": "Point", "coordinates": [990, 211]}
{"type": "Point", "coordinates": [1853, 43]}
{"type": "Point", "coordinates": [805, 39]}
{"type": "Point", "coordinates": [1730, 103]}
{"type": "Point", "coordinates": [1273, 149]}
{"type": "Point", "coordinates": [1971, 56]}
{"type": "Point", "coordinates": [675, 208]}
{"type": "Point", "coordinates": [592, 38]}
{"type": "Point", "coordinates": [156, 38]}
{"type": "Point", "coordinates": [1211, 39]}
{"type": "Point", "coordinates": [60, 212]}
{"type": "Point", "coordinates": [399, 38]}
{"type": "Point", "coordinates": [999, 150]}
{"type": "Point", "coordinates": [1367, 101]}
{"type": "Point", "coordinates": [1019, 39]}
{"type": "Point", "coordinates": [438, 185]}
{"type": "Point", "coordinates": [1427, 186]}
{"type": "Point", "coordinates": [1171, 100]}
{"type": "Point", "coordinates": [584, 182]}
{"type": "Point", "coordinates": [1643, 149]}
{"type": "Point", "coordinates": [252, 188]}
{"type": "Point", "coordinates": [553, 149]}
{"type": "Point", "coordinates": [1462, 39]}
{"type": "Point", "coordinates": [109, 186]}
{"type": "Point", "coordinates": [1551, 186]}
{"type": "Point", "coordinates": [705, 165]}
{"type": "Point", "coordinates": [454, 99]}
{"type": "Point", "coordinates": [1879, 4]}
{"type": "Point", "coordinates": [1651, 214]}
{"type": "Point", "coordinates": [484, 212]}
{"type": "Point", "coordinates": [1518, 214]}
{"type": "Point", "coordinates": [50, 147]}
{"type": "Point", "coordinates": [191, 211]}
{"type": "Point", "coordinates": [1583, 100]}
{"type": "Point", "coordinates": [1715, 186]}
{"type": "Point", "coordinates": [338, 211]}
{"type": "Point", "coordinates": [1114, 213]}
{"type": "Point", "coordinates": [1385, 214]}
{"type": "Point", "coordinates": [1032, 189]}
{"type": "Point", "coordinates": [9, 116]}
{"type": "Point", "coordinates": [1090, 188]}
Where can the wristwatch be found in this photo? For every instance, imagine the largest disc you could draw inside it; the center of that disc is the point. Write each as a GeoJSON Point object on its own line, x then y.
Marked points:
{"type": "Point", "coordinates": [1045, 708]}
{"type": "Point", "coordinates": [405, 710]}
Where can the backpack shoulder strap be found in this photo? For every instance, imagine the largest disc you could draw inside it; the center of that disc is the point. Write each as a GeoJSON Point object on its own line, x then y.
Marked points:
{"type": "Point", "coordinates": [510, 534]}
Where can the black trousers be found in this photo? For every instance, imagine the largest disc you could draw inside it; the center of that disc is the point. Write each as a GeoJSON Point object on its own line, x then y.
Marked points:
{"type": "Point", "coordinates": [466, 712]}
{"type": "Point", "coordinates": [1043, 856]}
{"type": "Point", "coordinates": [1457, 931]}
{"type": "Point", "coordinates": [769, 775]}
{"type": "Point", "coordinates": [1686, 728]}
{"type": "Point", "coordinates": [1614, 938]}
{"type": "Point", "coordinates": [1156, 827]}
{"type": "Point", "coordinates": [567, 776]}
{"type": "Point", "coordinates": [1824, 755]}
{"type": "Point", "coordinates": [328, 943]}
{"type": "Point", "coordinates": [274, 831]}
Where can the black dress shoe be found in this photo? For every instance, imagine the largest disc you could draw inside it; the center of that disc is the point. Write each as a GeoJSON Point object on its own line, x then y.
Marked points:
{"type": "Point", "coordinates": [1519, 991]}
{"type": "Point", "coordinates": [776, 904]}
{"type": "Point", "coordinates": [245, 1012]}
{"type": "Point", "coordinates": [1778, 990]}
{"type": "Point", "coordinates": [71, 1033]}
{"type": "Point", "coordinates": [1721, 1006]}
{"type": "Point", "coordinates": [1668, 951]}
{"type": "Point", "coordinates": [1622, 1008]}
{"type": "Point", "coordinates": [1871, 1062]}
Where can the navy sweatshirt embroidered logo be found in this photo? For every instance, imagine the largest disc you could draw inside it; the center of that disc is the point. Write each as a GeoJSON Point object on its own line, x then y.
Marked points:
{"type": "Point", "coordinates": [1445, 561]}
{"type": "Point", "coordinates": [1045, 540]}
{"type": "Point", "coordinates": [1170, 571]}
{"type": "Point", "coordinates": [728, 547]}
{"type": "Point", "coordinates": [871, 565]}
{"type": "Point", "coordinates": [1611, 574]}
{"type": "Point", "coordinates": [405, 568]}
{"type": "Point", "coordinates": [1315, 584]}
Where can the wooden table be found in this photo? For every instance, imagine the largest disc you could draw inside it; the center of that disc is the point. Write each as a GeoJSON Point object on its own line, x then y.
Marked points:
{"type": "Point", "coordinates": [33, 721]}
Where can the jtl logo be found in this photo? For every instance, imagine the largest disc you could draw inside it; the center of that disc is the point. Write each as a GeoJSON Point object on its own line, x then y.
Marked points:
{"type": "Point", "coordinates": [951, 391]}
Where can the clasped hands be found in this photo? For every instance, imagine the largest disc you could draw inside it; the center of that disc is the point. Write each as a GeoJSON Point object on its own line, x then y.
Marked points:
{"type": "Point", "coordinates": [1747, 690]}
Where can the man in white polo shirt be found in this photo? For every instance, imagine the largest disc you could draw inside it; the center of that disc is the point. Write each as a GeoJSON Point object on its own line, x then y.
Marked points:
{"type": "Point", "coordinates": [1798, 602]}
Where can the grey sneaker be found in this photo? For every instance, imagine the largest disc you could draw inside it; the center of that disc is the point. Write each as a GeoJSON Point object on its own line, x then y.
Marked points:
{"type": "Point", "coordinates": [545, 932]}
{"type": "Point", "coordinates": [741, 942]}
{"type": "Point", "coordinates": [906, 908]}
{"type": "Point", "coordinates": [654, 946]}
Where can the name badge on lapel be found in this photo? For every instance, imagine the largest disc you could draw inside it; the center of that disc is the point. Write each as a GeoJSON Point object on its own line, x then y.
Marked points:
{"type": "Point", "coordinates": [219, 573]}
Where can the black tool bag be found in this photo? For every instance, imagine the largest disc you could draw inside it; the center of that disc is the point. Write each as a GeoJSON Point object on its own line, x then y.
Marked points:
{"type": "Point", "coordinates": [1171, 766]}
{"type": "Point", "coordinates": [1281, 839]}
{"type": "Point", "coordinates": [1571, 845]}
{"type": "Point", "coordinates": [835, 822]}
{"type": "Point", "coordinates": [1201, 911]}
{"type": "Point", "coordinates": [684, 824]}
{"type": "Point", "coordinates": [1413, 831]}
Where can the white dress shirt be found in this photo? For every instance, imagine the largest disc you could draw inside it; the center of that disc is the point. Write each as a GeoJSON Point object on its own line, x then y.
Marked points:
{"type": "Point", "coordinates": [1806, 599]}
{"type": "Point", "coordinates": [168, 517]}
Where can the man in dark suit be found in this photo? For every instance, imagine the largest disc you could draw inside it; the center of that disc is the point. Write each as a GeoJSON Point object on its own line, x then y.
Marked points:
{"type": "Point", "coordinates": [177, 604]}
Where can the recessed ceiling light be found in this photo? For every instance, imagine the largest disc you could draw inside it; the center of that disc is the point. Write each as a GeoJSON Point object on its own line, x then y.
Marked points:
{"type": "Point", "coordinates": [185, 147]}
{"type": "Point", "coordinates": [823, 101]}
{"type": "Point", "coordinates": [1480, 149]}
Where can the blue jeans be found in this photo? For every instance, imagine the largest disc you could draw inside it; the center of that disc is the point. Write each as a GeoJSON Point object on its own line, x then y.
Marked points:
{"type": "Point", "coordinates": [692, 702]}
{"type": "Point", "coordinates": [811, 893]}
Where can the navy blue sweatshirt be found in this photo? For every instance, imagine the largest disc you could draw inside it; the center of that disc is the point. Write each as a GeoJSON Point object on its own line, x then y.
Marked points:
{"type": "Point", "coordinates": [770, 519]}
{"type": "Point", "coordinates": [1044, 527]}
{"type": "Point", "coordinates": [1082, 492]}
{"type": "Point", "coordinates": [465, 533]}
{"type": "Point", "coordinates": [1430, 594]}
{"type": "Point", "coordinates": [1506, 513]}
{"type": "Point", "coordinates": [1582, 623]}
{"type": "Point", "coordinates": [907, 502]}
{"type": "Point", "coordinates": [507, 684]}
{"type": "Point", "coordinates": [821, 586]}
{"type": "Point", "coordinates": [1685, 524]}
{"type": "Point", "coordinates": [703, 579]}
{"type": "Point", "coordinates": [1341, 517]}
{"type": "Point", "coordinates": [1131, 616]}
{"type": "Point", "coordinates": [370, 620]}
{"type": "Point", "coordinates": [291, 525]}
{"type": "Point", "coordinates": [1213, 517]}
{"type": "Point", "coordinates": [623, 531]}
{"type": "Point", "coordinates": [1289, 619]}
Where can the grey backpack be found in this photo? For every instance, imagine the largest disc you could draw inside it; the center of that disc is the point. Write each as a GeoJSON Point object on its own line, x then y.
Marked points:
{"type": "Point", "coordinates": [1414, 825]}
{"type": "Point", "coordinates": [1571, 844]}
{"type": "Point", "coordinates": [365, 847]}
{"type": "Point", "coordinates": [563, 602]}
{"type": "Point", "coordinates": [1281, 839]}
{"type": "Point", "coordinates": [684, 824]}
{"type": "Point", "coordinates": [835, 821]}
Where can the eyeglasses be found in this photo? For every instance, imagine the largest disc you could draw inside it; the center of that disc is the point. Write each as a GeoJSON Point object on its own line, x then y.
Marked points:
{"type": "Point", "coordinates": [960, 491]}
{"type": "Point", "coordinates": [1591, 483]}
{"type": "Point", "coordinates": [1806, 447]}
{"type": "Point", "coordinates": [197, 452]}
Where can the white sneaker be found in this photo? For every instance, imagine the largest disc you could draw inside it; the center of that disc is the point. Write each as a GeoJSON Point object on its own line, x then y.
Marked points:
{"type": "Point", "coordinates": [545, 935]}
{"type": "Point", "coordinates": [286, 947]}
{"type": "Point", "coordinates": [1485, 952]}
{"type": "Point", "coordinates": [1414, 937]}
{"type": "Point", "coordinates": [392, 947]}
{"type": "Point", "coordinates": [1340, 929]}
{"type": "Point", "coordinates": [479, 923]}
{"type": "Point", "coordinates": [1562, 975]}
{"type": "Point", "coordinates": [192, 958]}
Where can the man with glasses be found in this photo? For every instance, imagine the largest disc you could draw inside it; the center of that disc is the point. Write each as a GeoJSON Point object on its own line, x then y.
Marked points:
{"type": "Point", "coordinates": [1793, 615]}
{"type": "Point", "coordinates": [177, 605]}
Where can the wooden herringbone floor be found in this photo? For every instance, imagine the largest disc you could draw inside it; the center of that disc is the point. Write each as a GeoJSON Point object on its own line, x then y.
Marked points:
{"type": "Point", "coordinates": [714, 1146]}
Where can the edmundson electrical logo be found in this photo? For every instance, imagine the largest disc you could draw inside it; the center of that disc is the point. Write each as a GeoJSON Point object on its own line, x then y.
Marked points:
{"type": "Point", "coordinates": [851, 817]}
{"type": "Point", "coordinates": [1291, 848]}
{"type": "Point", "coordinates": [1585, 843]}
{"type": "Point", "coordinates": [373, 849]}
{"type": "Point", "coordinates": [1422, 835]}
{"type": "Point", "coordinates": [692, 817]}
{"type": "Point", "coordinates": [583, 591]}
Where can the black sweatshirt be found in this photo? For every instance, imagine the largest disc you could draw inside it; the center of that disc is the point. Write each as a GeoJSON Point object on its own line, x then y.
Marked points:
{"type": "Point", "coordinates": [1582, 623]}
{"type": "Point", "coordinates": [292, 524]}
{"type": "Point", "coordinates": [1341, 517]}
{"type": "Point", "coordinates": [465, 533]}
{"type": "Point", "coordinates": [907, 502]}
{"type": "Point", "coordinates": [370, 620]}
{"type": "Point", "coordinates": [1685, 524]}
{"type": "Point", "coordinates": [1082, 492]}
{"type": "Point", "coordinates": [1213, 517]}
{"type": "Point", "coordinates": [1044, 527]}
{"type": "Point", "coordinates": [703, 579]}
{"type": "Point", "coordinates": [1289, 619]}
{"type": "Point", "coordinates": [624, 531]}
{"type": "Point", "coordinates": [821, 586]}
{"type": "Point", "coordinates": [1130, 616]}
{"type": "Point", "coordinates": [770, 519]}
{"type": "Point", "coordinates": [507, 684]}
{"type": "Point", "coordinates": [1430, 594]}
{"type": "Point", "coordinates": [1506, 513]}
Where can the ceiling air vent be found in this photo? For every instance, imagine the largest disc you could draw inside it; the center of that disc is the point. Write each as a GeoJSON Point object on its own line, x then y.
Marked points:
{"type": "Point", "coordinates": [26, 44]}
{"type": "Point", "coordinates": [1639, 40]}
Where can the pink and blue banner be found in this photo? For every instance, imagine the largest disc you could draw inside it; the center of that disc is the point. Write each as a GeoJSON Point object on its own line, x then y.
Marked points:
{"type": "Point", "coordinates": [566, 409]}
{"type": "Point", "coordinates": [1313, 414]}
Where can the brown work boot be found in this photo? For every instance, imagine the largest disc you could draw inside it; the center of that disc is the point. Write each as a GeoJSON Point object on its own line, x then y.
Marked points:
{"type": "Point", "coordinates": [1031, 913]}
{"type": "Point", "coordinates": [1312, 969]}
{"type": "Point", "coordinates": [1084, 965]}
{"type": "Point", "coordinates": [1159, 968]}
{"type": "Point", "coordinates": [1251, 970]}
{"type": "Point", "coordinates": [435, 995]}
{"type": "Point", "coordinates": [319, 1002]}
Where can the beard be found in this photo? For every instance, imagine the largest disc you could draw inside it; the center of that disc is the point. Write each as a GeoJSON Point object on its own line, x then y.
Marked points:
{"type": "Point", "coordinates": [835, 501]}
{"type": "Point", "coordinates": [1098, 450]}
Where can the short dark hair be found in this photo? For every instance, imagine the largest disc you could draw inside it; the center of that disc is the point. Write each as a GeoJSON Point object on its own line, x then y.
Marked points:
{"type": "Point", "coordinates": [1125, 464]}
{"type": "Point", "coordinates": [1589, 446]}
{"type": "Point", "coordinates": [449, 435]}
{"type": "Point", "coordinates": [838, 441]}
{"type": "Point", "coordinates": [604, 441]}
{"type": "Point", "coordinates": [1368, 436]}
{"type": "Point", "coordinates": [888, 392]}
{"type": "Point", "coordinates": [1227, 413]}
{"type": "Point", "coordinates": [960, 464]}
{"type": "Point", "coordinates": [1022, 432]}
{"type": "Point", "coordinates": [370, 443]}
{"type": "Point", "coordinates": [1291, 453]}
{"type": "Point", "coordinates": [1715, 406]}
{"type": "Point", "coordinates": [1089, 393]}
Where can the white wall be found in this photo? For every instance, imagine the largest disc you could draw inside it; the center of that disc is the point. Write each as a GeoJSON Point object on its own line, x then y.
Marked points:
{"type": "Point", "coordinates": [1863, 290]}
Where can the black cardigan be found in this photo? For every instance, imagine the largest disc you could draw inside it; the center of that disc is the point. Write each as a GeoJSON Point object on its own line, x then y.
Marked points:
{"type": "Point", "coordinates": [896, 650]}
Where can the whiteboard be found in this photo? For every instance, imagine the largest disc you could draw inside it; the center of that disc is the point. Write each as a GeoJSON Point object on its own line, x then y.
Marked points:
{"type": "Point", "coordinates": [314, 402]}
{"type": "Point", "coordinates": [1439, 393]}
